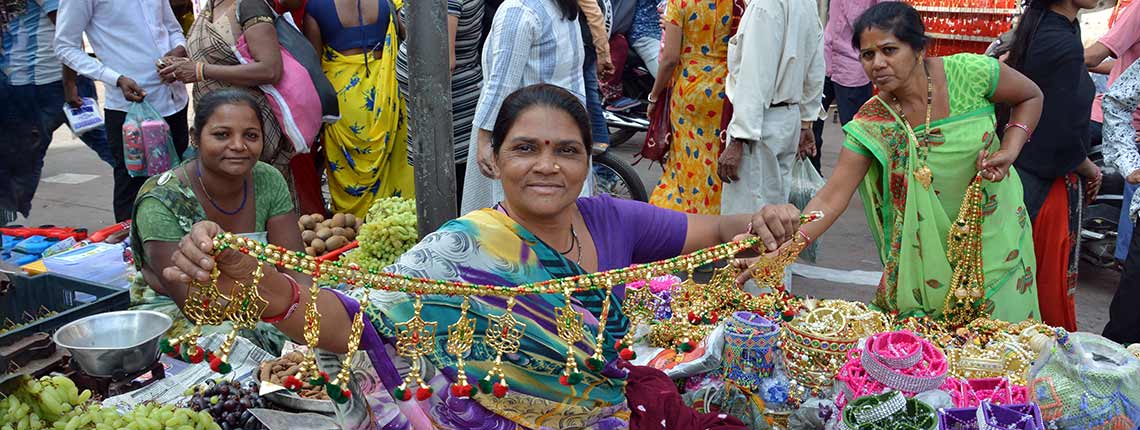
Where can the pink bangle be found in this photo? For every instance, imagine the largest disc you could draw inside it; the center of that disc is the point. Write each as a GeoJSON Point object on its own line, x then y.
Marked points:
{"type": "Point", "coordinates": [1024, 127]}
{"type": "Point", "coordinates": [294, 301]}
{"type": "Point", "coordinates": [898, 350]}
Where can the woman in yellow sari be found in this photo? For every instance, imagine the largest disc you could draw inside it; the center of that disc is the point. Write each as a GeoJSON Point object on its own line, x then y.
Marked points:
{"type": "Point", "coordinates": [366, 150]}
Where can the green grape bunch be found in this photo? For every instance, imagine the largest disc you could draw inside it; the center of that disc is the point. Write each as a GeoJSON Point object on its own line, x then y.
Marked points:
{"type": "Point", "coordinates": [55, 403]}
{"type": "Point", "coordinates": [389, 231]}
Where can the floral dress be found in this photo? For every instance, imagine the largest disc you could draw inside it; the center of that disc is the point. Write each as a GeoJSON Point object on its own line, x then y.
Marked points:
{"type": "Point", "coordinates": [690, 183]}
{"type": "Point", "coordinates": [910, 222]}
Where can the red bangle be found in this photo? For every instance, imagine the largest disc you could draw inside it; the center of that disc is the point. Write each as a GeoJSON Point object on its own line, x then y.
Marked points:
{"type": "Point", "coordinates": [1018, 125]}
{"type": "Point", "coordinates": [294, 302]}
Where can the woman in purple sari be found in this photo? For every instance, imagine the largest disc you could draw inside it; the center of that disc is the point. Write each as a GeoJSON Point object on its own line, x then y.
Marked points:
{"type": "Point", "coordinates": [541, 231]}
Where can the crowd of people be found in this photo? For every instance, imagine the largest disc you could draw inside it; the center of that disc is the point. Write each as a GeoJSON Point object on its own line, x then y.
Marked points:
{"type": "Point", "coordinates": [748, 83]}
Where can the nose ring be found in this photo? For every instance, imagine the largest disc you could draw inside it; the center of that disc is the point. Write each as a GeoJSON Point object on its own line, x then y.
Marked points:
{"type": "Point", "coordinates": [557, 167]}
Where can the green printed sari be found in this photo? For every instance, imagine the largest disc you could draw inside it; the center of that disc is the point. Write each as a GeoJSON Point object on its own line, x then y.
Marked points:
{"type": "Point", "coordinates": [910, 223]}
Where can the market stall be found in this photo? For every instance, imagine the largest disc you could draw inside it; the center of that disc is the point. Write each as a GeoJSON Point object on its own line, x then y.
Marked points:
{"type": "Point", "coordinates": [956, 26]}
{"type": "Point", "coordinates": [774, 360]}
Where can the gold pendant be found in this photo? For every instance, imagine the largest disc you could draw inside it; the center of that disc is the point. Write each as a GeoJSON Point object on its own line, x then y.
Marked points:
{"type": "Point", "coordinates": [924, 176]}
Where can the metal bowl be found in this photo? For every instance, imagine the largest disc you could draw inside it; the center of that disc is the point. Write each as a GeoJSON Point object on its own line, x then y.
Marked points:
{"type": "Point", "coordinates": [114, 344]}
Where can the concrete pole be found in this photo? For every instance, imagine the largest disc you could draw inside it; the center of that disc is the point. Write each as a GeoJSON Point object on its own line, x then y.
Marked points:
{"type": "Point", "coordinates": [429, 113]}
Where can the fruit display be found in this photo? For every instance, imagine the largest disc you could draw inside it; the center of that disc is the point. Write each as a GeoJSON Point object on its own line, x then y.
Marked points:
{"type": "Point", "coordinates": [228, 403]}
{"type": "Point", "coordinates": [388, 232]}
{"type": "Point", "coordinates": [322, 235]}
{"type": "Point", "coordinates": [54, 402]}
{"type": "Point", "coordinates": [275, 371]}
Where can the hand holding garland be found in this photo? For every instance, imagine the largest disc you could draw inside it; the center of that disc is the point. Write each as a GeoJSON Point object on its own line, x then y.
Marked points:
{"type": "Point", "coordinates": [195, 259]}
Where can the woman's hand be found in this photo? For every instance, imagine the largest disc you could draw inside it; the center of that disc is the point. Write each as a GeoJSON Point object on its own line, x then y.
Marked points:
{"type": "Point", "coordinates": [485, 155]}
{"type": "Point", "coordinates": [1092, 186]}
{"type": "Point", "coordinates": [1133, 178]}
{"type": "Point", "coordinates": [995, 166]}
{"type": "Point", "coordinates": [1092, 176]}
{"type": "Point", "coordinates": [181, 70]}
{"type": "Point", "coordinates": [745, 265]}
{"type": "Point", "coordinates": [775, 224]}
{"type": "Point", "coordinates": [194, 260]}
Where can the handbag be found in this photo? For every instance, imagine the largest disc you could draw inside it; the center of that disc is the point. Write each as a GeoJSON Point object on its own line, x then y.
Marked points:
{"type": "Point", "coordinates": [303, 98]}
{"type": "Point", "coordinates": [659, 135]}
{"type": "Point", "coordinates": [301, 50]}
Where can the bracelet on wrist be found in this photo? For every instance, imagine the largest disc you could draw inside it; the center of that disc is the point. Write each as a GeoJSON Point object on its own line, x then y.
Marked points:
{"type": "Point", "coordinates": [294, 302]}
{"type": "Point", "coordinates": [1023, 127]}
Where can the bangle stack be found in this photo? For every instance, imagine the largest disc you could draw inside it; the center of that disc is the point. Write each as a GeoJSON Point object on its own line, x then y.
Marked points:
{"type": "Point", "coordinates": [897, 361]}
{"type": "Point", "coordinates": [888, 411]}
{"type": "Point", "coordinates": [749, 349]}
{"type": "Point", "coordinates": [817, 341]}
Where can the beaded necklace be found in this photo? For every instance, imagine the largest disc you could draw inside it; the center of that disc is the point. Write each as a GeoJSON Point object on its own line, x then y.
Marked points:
{"type": "Point", "coordinates": [207, 305]}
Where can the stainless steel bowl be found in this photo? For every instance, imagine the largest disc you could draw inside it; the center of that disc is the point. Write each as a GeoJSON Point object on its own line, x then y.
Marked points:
{"type": "Point", "coordinates": [114, 343]}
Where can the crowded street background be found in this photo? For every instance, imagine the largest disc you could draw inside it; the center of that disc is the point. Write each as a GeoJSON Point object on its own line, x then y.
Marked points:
{"type": "Point", "coordinates": [639, 213]}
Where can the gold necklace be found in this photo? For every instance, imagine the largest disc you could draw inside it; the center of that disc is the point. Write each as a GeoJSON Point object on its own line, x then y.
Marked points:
{"type": "Point", "coordinates": [922, 174]}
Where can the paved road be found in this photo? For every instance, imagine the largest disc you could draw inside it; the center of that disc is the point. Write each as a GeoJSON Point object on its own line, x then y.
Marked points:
{"type": "Point", "coordinates": [76, 191]}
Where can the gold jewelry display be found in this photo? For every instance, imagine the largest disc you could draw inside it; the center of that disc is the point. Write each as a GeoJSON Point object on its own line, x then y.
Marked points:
{"type": "Point", "coordinates": [203, 307]}
{"type": "Point", "coordinates": [460, 339]}
{"type": "Point", "coordinates": [503, 335]}
{"type": "Point", "coordinates": [815, 343]}
{"type": "Point", "coordinates": [312, 334]}
{"type": "Point", "coordinates": [244, 309]}
{"type": "Point", "coordinates": [570, 327]}
{"type": "Point", "coordinates": [966, 296]}
{"type": "Point", "coordinates": [1000, 358]}
{"type": "Point", "coordinates": [416, 337]}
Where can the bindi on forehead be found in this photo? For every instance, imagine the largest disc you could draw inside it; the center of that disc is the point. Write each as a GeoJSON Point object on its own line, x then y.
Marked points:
{"type": "Point", "coordinates": [547, 142]}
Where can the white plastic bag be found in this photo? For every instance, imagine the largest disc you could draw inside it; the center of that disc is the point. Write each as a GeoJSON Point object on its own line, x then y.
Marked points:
{"type": "Point", "coordinates": [83, 118]}
{"type": "Point", "coordinates": [806, 181]}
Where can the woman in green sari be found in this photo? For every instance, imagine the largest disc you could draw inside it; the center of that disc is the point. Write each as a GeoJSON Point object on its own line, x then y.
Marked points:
{"type": "Point", "coordinates": [912, 151]}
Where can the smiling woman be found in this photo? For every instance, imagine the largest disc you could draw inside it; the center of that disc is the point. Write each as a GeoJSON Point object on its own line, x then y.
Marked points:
{"type": "Point", "coordinates": [225, 184]}
{"type": "Point", "coordinates": [541, 231]}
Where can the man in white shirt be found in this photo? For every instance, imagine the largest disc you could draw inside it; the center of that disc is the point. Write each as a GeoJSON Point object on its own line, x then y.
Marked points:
{"type": "Point", "coordinates": [775, 81]}
{"type": "Point", "coordinates": [129, 37]}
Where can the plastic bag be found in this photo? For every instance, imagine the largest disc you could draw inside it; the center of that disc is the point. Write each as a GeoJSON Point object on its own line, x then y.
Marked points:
{"type": "Point", "coordinates": [806, 181]}
{"type": "Point", "coordinates": [83, 118]}
{"type": "Point", "coordinates": [148, 147]}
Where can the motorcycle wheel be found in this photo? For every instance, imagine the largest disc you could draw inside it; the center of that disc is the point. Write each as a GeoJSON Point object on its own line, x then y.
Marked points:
{"type": "Point", "coordinates": [617, 178]}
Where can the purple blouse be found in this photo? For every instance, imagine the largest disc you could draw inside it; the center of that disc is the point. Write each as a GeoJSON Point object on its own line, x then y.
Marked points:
{"type": "Point", "coordinates": [629, 232]}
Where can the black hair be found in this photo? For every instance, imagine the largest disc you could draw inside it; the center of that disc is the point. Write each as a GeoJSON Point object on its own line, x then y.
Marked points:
{"type": "Point", "coordinates": [1026, 30]}
{"type": "Point", "coordinates": [569, 8]}
{"type": "Point", "coordinates": [205, 107]}
{"type": "Point", "coordinates": [896, 17]}
{"type": "Point", "coordinates": [546, 95]}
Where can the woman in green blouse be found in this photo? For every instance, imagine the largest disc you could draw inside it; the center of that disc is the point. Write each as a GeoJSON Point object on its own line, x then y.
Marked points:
{"type": "Point", "coordinates": [226, 184]}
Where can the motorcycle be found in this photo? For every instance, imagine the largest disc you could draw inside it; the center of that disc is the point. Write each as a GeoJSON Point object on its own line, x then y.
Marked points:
{"type": "Point", "coordinates": [629, 116]}
{"type": "Point", "coordinates": [1101, 218]}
